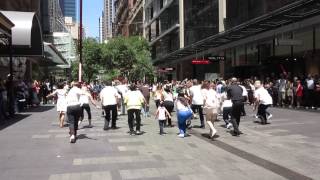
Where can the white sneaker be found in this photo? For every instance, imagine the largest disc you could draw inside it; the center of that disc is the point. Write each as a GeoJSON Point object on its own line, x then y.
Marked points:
{"type": "Point", "coordinates": [79, 122]}
{"type": "Point", "coordinates": [213, 133]}
{"type": "Point", "coordinates": [229, 125]}
{"type": "Point", "coordinates": [269, 117]}
{"type": "Point", "coordinates": [181, 135]}
{"type": "Point", "coordinates": [72, 139]}
{"type": "Point", "coordinates": [255, 116]}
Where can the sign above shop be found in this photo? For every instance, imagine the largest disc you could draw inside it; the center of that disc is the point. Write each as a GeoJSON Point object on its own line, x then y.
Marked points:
{"type": "Point", "coordinates": [200, 61]}
{"type": "Point", "coordinates": [216, 58]}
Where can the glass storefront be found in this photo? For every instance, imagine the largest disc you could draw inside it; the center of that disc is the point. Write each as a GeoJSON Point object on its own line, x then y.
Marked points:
{"type": "Point", "coordinates": [201, 19]}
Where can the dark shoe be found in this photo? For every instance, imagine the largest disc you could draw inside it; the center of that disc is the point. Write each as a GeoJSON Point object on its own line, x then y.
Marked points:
{"type": "Point", "coordinates": [106, 128]}
{"type": "Point", "coordinates": [132, 133]}
{"type": "Point", "coordinates": [114, 127]}
{"type": "Point", "coordinates": [202, 127]}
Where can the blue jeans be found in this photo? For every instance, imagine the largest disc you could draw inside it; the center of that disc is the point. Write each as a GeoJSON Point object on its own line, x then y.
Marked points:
{"type": "Point", "coordinates": [183, 116]}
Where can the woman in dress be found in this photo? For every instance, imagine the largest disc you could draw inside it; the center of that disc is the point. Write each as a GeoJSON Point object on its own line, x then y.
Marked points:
{"type": "Point", "coordinates": [61, 93]}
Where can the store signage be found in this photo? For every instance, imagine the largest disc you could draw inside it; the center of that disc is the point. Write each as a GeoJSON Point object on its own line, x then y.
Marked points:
{"type": "Point", "coordinates": [200, 61]}
{"type": "Point", "coordinates": [216, 58]}
{"type": "Point", "coordinates": [288, 42]}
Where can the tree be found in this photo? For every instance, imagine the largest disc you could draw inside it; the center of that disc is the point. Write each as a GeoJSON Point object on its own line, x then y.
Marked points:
{"type": "Point", "coordinates": [91, 59]}
{"type": "Point", "coordinates": [128, 56]}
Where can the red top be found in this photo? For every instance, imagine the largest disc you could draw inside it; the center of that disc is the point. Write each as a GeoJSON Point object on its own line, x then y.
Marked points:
{"type": "Point", "coordinates": [299, 90]}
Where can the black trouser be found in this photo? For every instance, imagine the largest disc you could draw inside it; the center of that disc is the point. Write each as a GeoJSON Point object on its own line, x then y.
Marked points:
{"type": "Point", "coordinates": [243, 111]}
{"type": "Point", "coordinates": [310, 98]}
{"type": "Point", "coordinates": [87, 108]}
{"type": "Point", "coordinates": [169, 105]}
{"type": "Point", "coordinates": [226, 112]}
{"type": "Point", "coordinates": [200, 111]}
{"type": "Point", "coordinates": [131, 118]}
{"type": "Point", "coordinates": [262, 113]}
{"type": "Point", "coordinates": [236, 114]}
{"type": "Point", "coordinates": [73, 114]}
{"type": "Point", "coordinates": [113, 110]}
{"type": "Point", "coordinates": [157, 101]}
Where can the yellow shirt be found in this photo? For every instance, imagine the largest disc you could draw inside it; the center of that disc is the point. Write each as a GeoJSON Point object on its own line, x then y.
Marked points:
{"type": "Point", "coordinates": [134, 100]}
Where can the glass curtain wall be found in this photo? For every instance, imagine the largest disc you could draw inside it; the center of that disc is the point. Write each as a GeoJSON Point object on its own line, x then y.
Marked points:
{"type": "Point", "coordinates": [201, 19]}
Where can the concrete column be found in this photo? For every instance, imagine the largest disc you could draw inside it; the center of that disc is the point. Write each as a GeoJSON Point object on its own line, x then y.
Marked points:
{"type": "Point", "coordinates": [181, 22]}
{"type": "Point", "coordinates": [222, 14]}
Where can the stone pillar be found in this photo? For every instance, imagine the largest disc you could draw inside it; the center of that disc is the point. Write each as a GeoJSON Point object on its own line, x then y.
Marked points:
{"type": "Point", "coordinates": [181, 23]}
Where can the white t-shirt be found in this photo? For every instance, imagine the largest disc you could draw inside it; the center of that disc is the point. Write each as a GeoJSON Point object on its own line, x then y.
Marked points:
{"type": "Point", "coordinates": [109, 96]}
{"type": "Point", "coordinates": [181, 107]}
{"type": "Point", "coordinates": [310, 83]}
{"type": "Point", "coordinates": [84, 99]}
{"type": "Point", "coordinates": [161, 113]}
{"type": "Point", "coordinates": [210, 98]}
{"type": "Point", "coordinates": [73, 96]}
{"type": "Point", "coordinates": [123, 89]}
{"type": "Point", "coordinates": [167, 96]}
{"type": "Point", "coordinates": [263, 95]}
{"type": "Point", "coordinates": [195, 92]}
{"type": "Point", "coordinates": [244, 91]}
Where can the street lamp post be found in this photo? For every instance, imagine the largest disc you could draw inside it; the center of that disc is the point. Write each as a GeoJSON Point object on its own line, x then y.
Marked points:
{"type": "Point", "coordinates": [80, 44]}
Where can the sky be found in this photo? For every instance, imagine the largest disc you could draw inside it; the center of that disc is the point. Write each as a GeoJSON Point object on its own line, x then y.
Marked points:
{"type": "Point", "coordinates": [92, 10]}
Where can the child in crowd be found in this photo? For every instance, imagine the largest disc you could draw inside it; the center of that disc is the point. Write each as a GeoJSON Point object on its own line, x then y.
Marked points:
{"type": "Point", "coordinates": [161, 114]}
{"type": "Point", "coordinates": [226, 109]}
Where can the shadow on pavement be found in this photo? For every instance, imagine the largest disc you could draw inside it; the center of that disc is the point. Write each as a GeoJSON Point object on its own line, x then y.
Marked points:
{"type": "Point", "coordinates": [84, 136]}
{"type": "Point", "coordinates": [11, 121]}
{"type": "Point", "coordinates": [39, 109]}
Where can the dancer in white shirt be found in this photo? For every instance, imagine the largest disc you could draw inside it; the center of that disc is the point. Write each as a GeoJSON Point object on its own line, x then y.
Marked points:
{"type": "Point", "coordinates": [263, 101]}
{"type": "Point", "coordinates": [61, 93]}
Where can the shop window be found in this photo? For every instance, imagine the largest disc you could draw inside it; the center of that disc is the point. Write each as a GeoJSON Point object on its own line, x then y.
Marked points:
{"type": "Point", "coordinates": [317, 37]}
{"type": "Point", "coordinates": [306, 38]}
{"type": "Point", "coordinates": [283, 49]}
{"type": "Point", "coordinates": [240, 58]}
{"type": "Point", "coordinates": [252, 54]}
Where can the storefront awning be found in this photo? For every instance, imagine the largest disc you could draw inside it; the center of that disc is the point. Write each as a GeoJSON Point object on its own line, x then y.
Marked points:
{"type": "Point", "coordinates": [5, 26]}
{"type": "Point", "coordinates": [26, 34]}
{"type": "Point", "coordinates": [52, 56]}
{"type": "Point", "coordinates": [294, 12]}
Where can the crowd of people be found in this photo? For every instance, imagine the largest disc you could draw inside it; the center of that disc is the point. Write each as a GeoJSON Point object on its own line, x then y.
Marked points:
{"type": "Point", "coordinates": [191, 99]}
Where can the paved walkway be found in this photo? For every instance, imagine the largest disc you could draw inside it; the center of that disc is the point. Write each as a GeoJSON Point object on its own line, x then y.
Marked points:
{"type": "Point", "coordinates": [35, 148]}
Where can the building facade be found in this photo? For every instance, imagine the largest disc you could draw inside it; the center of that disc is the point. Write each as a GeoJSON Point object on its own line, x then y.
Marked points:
{"type": "Point", "coordinates": [69, 8]}
{"type": "Point", "coordinates": [233, 37]}
{"type": "Point", "coordinates": [108, 19]}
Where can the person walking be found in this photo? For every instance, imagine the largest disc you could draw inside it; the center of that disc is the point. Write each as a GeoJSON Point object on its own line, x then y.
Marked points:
{"type": "Point", "coordinates": [197, 101]}
{"type": "Point", "coordinates": [145, 90]}
{"type": "Point", "coordinates": [109, 99]}
{"type": "Point", "coordinates": [235, 94]}
{"type": "Point", "coordinates": [161, 116]}
{"type": "Point", "coordinates": [134, 101]}
{"type": "Point", "coordinates": [61, 93]}
{"type": "Point", "coordinates": [74, 109]}
{"type": "Point", "coordinates": [210, 106]}
{"type": "Point", "coordinates": [263, 101]}
{"type": "Point", "coordinates": [158, 95]}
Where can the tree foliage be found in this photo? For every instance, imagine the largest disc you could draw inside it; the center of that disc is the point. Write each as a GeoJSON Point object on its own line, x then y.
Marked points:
{"type": "Point", "coordinates": [127, 57]}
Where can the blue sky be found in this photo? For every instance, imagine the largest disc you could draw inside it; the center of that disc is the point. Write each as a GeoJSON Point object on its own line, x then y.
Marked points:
{"type": "Point", "coordinates": [92, 10]}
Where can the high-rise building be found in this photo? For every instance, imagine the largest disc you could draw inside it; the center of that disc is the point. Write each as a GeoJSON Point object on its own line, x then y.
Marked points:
{"type": "Point", "coordinates": [69, 8]}
{"type": "Point", "coordinates": [223, 38]}
{"type": "Point", "coordinates": [101, 29]}
{"type": "Point", "coordinates": [108, 19]}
